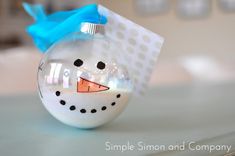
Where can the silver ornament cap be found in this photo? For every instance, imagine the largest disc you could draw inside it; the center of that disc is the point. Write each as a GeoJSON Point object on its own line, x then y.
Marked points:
{"type": "Point", "coordinates": [92, 28]}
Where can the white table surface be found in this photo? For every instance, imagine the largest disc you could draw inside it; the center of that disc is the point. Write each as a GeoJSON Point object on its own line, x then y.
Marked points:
{"type": "Point", "coordinates": [164, 116]}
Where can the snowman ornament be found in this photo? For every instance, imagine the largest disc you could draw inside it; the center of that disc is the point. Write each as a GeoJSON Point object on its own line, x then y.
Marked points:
{"type": "Point", "coordinates": [80, 88]}
{"type": "Point", "coordinates": [86, 77]}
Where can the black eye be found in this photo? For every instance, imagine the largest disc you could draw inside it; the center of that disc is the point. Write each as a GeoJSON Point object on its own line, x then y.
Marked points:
{"type": "Point", "coordinates": [78, 62]}
{"type": "Point", "coordinates": [101, 65]}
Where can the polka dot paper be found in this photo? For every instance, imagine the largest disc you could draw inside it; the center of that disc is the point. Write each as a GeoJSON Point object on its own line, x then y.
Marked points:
{"type": "Point", "coordinates": [138, 47]}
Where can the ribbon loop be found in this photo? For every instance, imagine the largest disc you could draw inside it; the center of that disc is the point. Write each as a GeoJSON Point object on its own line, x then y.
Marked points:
{"type": "Point", "coordinates": [49, 29]}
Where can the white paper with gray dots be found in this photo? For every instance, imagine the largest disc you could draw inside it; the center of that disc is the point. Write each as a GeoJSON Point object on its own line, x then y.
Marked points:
{"type": "Point", "coordinates": [138, 47]}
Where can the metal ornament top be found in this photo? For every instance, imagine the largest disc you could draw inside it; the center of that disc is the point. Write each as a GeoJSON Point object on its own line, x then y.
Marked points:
{"type": "Point", "coordinates": [92, 28]}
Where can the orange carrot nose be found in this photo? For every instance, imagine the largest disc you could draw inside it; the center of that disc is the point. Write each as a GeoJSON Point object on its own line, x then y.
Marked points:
{"type": "Point", "coordinates": [86, 86]}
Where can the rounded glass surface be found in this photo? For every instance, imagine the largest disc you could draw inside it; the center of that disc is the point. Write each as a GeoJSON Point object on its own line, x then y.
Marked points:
{"type": "Point", "coordinates": [81, 86]}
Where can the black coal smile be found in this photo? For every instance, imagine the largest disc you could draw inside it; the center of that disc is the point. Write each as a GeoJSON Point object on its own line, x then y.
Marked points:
{"type": "Point", "coordinates": [83, 110]}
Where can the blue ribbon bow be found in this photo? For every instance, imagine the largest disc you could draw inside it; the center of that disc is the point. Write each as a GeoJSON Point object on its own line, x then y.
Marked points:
{"type": "Point", "coordinates": [49, 29]}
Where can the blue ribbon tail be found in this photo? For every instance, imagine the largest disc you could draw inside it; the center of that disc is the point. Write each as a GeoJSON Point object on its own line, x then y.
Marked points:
{"type": "Point", "coordinates": [37, 11]}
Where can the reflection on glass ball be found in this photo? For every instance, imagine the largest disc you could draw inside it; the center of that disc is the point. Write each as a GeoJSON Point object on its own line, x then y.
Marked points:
{"type": "Point", "coordinates": [81, 87]}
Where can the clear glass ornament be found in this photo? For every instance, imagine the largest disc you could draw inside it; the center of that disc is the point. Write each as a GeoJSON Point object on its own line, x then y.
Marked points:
{"type": "Point", "coordinates": [80, 81]}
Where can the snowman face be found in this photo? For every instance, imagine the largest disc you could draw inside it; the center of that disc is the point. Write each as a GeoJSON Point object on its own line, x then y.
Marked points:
{"type": "Point", "coordinates": [83, 92]}
{"type": "Point", "coordinates": [87, 86]}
